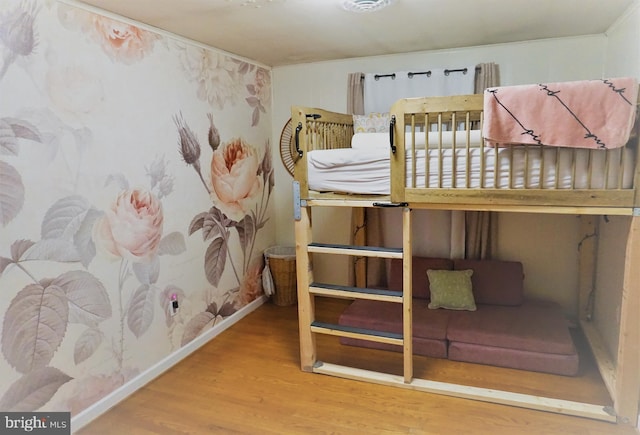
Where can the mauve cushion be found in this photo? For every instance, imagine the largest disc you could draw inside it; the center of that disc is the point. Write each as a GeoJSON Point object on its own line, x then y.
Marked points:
{"type": "Point", "coordinates": [387, 317]}
{"type": "Point", "coordinates": [533, 326]}
{"type": "Point", "coordinates": [421, 346]}
{"type": "Point", "coordinates": [420, 266]}
{"type": "Point", "coordinates": [495, 282]}
{"type": "Point", "coordinates": [567, 365]}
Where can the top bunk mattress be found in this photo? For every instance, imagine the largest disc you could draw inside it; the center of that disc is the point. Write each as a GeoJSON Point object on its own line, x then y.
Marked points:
{"type": "Point", "coordinates": [360, 171]}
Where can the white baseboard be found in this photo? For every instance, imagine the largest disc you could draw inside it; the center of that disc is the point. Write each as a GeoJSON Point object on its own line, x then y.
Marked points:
{"type": "Point", "coordinates": [115, 397]}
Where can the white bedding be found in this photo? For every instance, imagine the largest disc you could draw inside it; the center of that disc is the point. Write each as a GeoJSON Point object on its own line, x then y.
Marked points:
{"type": "Point", "coordinates": [356, 171]}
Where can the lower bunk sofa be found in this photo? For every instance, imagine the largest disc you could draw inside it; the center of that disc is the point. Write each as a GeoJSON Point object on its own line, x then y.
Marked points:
{"type": "Point", "coordinates": [505, 329]}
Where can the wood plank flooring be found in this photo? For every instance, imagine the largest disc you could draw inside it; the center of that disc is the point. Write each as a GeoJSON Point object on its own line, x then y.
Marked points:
{"type": "Point", "coordinates": [248, 381]}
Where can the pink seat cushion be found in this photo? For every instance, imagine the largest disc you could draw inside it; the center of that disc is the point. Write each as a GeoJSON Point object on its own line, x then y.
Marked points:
{"type": "Point", "coordinates": [421, 346]}
{"type": "Point", "coordinates": [567, 365]}
{"type": "Point", "coordinates": [534, 326]}
{"type": "Point", "coordinates": [505, 330]}
{"type": "Point", "coordinates": [495, 282]}
{"type": "Point", "coordinates": [419, 269]}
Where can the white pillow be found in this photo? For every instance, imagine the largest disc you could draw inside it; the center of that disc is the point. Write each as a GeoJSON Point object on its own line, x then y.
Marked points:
{"type": "Point", "coordinates": [381, 140]}
{"type": "Point", "coordinates": [367, 141]}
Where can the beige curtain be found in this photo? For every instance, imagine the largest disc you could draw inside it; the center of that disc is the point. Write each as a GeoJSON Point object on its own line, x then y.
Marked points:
{"type": "Point", "coordinates": [355, 94]}
{"type": "Point", "coordinates": [360, 231]}
{"type": "Point", "coordinates": [487, 75]}
{"type": "Point", "coordinates": [480, 226]}
{"type": "Point", "coordinates": [365, 223]}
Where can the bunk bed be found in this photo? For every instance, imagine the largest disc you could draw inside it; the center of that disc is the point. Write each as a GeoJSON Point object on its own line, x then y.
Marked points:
{"type": "Point", "coordinates": [435, 158]}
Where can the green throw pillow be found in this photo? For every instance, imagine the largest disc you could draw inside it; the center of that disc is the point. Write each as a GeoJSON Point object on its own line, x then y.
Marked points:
{"type": "Point", "coordinates": [451, 289]}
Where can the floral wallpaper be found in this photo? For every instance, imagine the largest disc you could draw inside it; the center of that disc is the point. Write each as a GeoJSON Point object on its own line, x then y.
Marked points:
{"type": "Point", "coordinates": [135, 170]}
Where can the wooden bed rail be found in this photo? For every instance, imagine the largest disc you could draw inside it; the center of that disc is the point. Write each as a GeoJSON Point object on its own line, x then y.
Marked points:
{"type": "Point", "coordinates": [479, 176]}
{"type": "Point", "coordinates": [317, 130]}
{"type": "Point", "coordinates": [465, 170]}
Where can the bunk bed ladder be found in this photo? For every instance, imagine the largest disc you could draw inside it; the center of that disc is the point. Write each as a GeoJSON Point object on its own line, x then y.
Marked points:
{"type": "Point", "coordinates": [308, 289]}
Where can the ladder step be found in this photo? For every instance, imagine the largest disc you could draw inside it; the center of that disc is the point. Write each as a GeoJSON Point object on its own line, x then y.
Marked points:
{"type": "Point", "coordinates": [359, 333]}
{"type": "Point", "coordinates": [341, 291]}
{"type": "Point", "coordinates": [363, 251]}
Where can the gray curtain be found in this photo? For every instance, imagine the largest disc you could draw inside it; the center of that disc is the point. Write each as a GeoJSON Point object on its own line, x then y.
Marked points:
{"type": "Point", "coordinates": [480, 226]}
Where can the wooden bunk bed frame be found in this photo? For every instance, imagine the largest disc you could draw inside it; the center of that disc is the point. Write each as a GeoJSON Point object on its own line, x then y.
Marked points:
{"type": "Point", "coordinates": [321, 129]}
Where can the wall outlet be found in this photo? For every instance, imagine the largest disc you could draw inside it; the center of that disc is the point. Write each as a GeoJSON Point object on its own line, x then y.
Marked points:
{"type": "Point", "coordinates": [173, 305]}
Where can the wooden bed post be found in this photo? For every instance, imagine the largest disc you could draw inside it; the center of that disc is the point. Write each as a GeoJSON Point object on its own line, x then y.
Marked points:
{"type": "Point", "coordinates": [306, 301]}
{"type": "Point", "coordinates": [407, 297]}
{"type": "Point", "coordinates": [627, 392]}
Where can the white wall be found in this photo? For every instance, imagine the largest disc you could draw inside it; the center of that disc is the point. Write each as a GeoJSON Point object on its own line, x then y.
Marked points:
{"type": "Point", "coordinates": [546, 244]}
{"type": "Point", "coordinates": [622, 49]}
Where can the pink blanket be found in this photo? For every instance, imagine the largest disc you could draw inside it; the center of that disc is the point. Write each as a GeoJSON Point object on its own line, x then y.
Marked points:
{"type": "Point", "coordinates": [582, 114]}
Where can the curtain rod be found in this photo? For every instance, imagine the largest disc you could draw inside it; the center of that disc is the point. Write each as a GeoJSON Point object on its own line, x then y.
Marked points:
{"type": "Point", "coordinates": [449, 71]}
{"type": "Point", "coordinates": [427, 73]}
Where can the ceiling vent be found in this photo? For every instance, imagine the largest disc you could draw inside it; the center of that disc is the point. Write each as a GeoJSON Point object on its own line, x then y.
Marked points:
{"type": "Point", "coordinates": [365, 5]}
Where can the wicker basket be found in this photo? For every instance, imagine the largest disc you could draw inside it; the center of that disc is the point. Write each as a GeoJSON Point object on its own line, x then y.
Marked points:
{"type": "Point", "coordinates": [282, 264]}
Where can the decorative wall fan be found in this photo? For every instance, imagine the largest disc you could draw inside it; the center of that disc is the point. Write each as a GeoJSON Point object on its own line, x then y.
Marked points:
{"type": "Point", "coordinates": [288, 152]}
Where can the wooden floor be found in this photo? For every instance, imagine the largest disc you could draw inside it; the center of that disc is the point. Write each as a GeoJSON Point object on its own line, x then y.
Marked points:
{"type": "Point", "coordinates": [248, 381]}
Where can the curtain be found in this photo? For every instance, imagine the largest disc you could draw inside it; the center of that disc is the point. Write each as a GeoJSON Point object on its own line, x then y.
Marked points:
{"type": "Point", "coordinates": [487, 76]}
{"type": "Point", "coordinates": [480, 226]}
{"type": "Point", "coordinates": [355, 106]}
{"type": "Point", "coordinates": [481, 230]}
{"type": "Point", "coordinates": [355, 94]}
{"type": "Point", "coordinates": [382, 90]}
{"type": "Point", "coordinates": [470, 232]}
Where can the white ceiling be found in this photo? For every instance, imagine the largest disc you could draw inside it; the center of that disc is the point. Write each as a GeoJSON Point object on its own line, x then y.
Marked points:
{"type": "Point", "coordinates": [283, 32]}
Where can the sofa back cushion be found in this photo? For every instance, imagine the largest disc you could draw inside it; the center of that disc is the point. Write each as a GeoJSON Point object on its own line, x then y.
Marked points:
{"type": "Point", "coordinates": [495, 282]}
{"type": "Point", "coordinates": [420, 266]}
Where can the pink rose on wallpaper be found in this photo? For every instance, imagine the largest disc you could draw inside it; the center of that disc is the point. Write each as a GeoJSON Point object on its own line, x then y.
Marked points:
{"type": "Point", "coordinates": [123, 42]}
{"type": "Point", "coordinates": [234, 177]}
{"type": "Point", "coordinates": [132, 227]}
{"type": "Point", "coordinates": [251, 285]}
